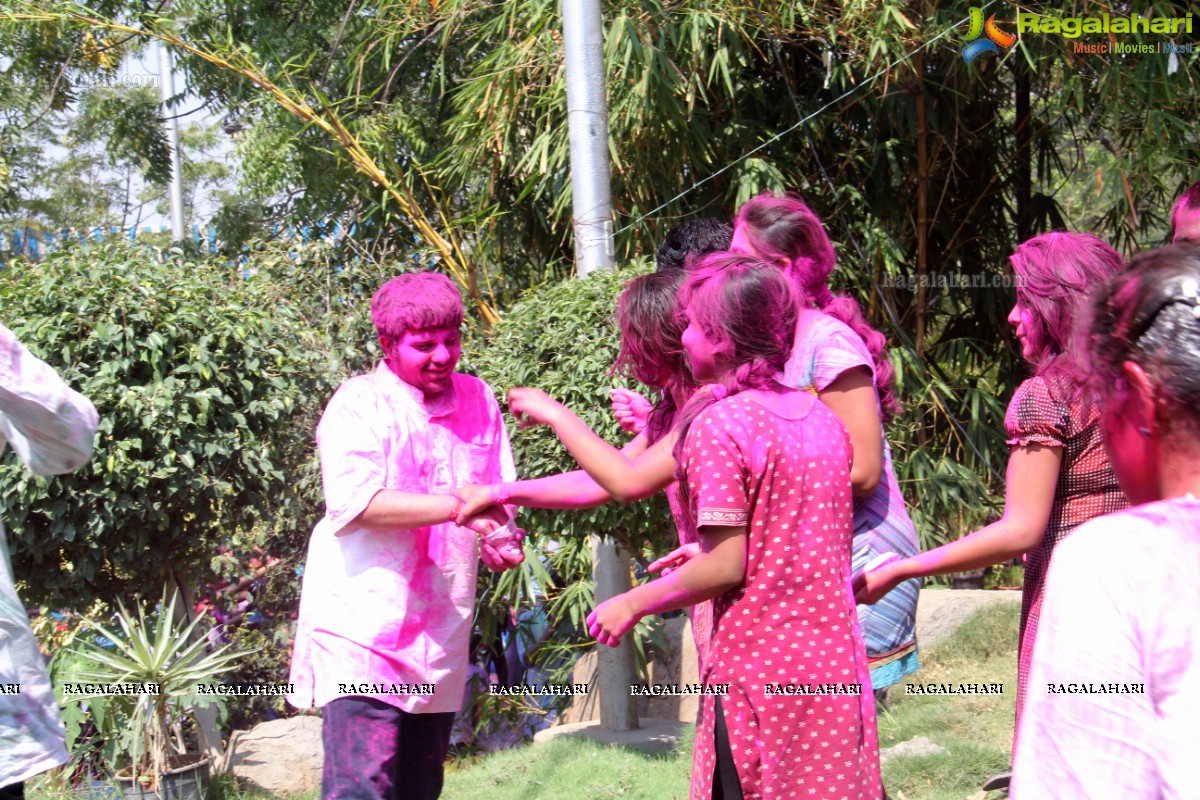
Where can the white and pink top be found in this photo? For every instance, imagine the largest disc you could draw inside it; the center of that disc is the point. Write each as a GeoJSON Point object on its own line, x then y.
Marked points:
{"type": "Point", "coordinates": [387, 613]}
{"type": "Point", "coordinates": [1115, 682]}
{"type": "Point", "coordinates": [51, 427]}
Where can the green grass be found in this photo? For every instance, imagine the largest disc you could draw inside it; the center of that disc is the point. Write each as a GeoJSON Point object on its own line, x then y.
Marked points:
{"type": "Point", "coordinates": [976, 730]}
{"type": "Point", "coordinates": [572, 768]}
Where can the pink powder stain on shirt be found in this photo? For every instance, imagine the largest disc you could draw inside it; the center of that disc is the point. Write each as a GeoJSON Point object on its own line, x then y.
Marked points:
{"type": "Point", "coordinates": [395, 606]}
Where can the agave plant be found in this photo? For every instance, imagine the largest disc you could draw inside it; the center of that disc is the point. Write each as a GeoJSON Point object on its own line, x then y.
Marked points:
{"type": "Point", "coordinates": [150, 649]}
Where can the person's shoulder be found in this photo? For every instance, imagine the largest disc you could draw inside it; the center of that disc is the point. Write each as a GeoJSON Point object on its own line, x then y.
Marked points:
{"type": "Point", "coordinates": [470, 389]}
{"type": "Point", "coordinates": [1155, 534]}
{"type": "Point", "coordinates": [1177, 518]}
{"type": "Point", "coordinates": [1046, 391]}
{"type": "Point", "coordinates": [738, 411]}
{"type": "Point", "coordinates": [1141, 560]}
{"type": "Point", "coordinates": [722, 412]}
{"type": "Point", "coordinates": [1038, 413]}
{"type": "Point", "coordinates": [358, 386]}
{"type": "Point", "coordinates": [836, 346]}
{"type": "Point", "coordinates": [825, 331]}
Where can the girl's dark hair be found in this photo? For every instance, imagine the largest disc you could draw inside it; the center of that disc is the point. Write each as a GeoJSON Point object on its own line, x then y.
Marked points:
{"type": "Point", "coordinates": [1150, 315]}
{"type": "Point", "coordinates": [747, 309]}
{"type": "Point", "coordinates": [650, 343]}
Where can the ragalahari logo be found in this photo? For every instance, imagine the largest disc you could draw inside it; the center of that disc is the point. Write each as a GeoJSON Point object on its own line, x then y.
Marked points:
{"type": "Point", "coordinates": [996, 38]}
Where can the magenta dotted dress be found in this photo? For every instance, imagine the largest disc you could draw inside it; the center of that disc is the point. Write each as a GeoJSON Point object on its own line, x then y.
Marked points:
{"type": "Point", "coordinates": [785, 475]}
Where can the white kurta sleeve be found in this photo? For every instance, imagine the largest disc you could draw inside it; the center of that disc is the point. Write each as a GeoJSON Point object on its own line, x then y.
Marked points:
{"type": "Point", "coordinates": [49, 425]}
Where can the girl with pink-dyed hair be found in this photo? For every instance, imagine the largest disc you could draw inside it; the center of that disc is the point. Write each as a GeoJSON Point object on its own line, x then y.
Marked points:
{"type": "Point", "coordinates": [652, 353]}
{"type": "Point", "coordinates": [1058, 473]}
{"type": "Point", "coordinates": [843, 360]}
{"type": "Point", "coordinates": [1123, 592]}
{"type": "Point", "coordinates": [765, 477]}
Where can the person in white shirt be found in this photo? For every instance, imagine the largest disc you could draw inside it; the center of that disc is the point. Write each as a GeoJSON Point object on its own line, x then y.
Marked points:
{"type": "Point", "coordinates": [51, 428]}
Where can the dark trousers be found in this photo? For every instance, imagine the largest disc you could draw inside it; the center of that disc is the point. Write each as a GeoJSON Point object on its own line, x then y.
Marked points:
{"type": "Point", "coordinates": [14, 791]}
{"type": "Point", "coordinates": [374, 751]}
{"type": "Point", "coordinates": [725, 779]}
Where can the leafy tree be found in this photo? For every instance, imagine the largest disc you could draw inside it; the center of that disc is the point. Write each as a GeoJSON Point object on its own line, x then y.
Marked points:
{"type": "Point", "coordinates": [88, 167]}
{"type": "Point", "coordinates": [440, 127]}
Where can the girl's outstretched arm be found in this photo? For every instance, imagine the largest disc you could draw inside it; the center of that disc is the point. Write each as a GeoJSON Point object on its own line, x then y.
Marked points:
{"type": "Point", "coordinates": [1032, 478]}
{"type": "Point", "coordinates": [626, 479]}
{"type": "Point", "coordinates": [574, 489]}
{"type": "Point", "coordinates": [721, 567]}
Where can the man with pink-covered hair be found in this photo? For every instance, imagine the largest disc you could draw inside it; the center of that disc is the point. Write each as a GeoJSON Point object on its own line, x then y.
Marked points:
{"type": "Point", "coordinates": [388, 597]}
{"type": "Point", "coordinates": [1185, 215]}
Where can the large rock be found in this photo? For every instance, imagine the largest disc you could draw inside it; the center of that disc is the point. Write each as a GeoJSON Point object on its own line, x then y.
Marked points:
{"type": "Point", "coordinates": [283, 756]}
{"type": "Point", "coordinates": [940, 612]}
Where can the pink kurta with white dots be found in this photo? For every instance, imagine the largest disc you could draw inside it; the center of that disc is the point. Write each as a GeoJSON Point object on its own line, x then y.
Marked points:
{"type": "Point", "coordinates": [782, 469]}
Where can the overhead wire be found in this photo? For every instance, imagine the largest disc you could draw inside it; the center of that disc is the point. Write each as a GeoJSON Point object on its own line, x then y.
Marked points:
{"type": "Point", "coordinates": [804, 121]}
{"type": "Point", "coordinates": [759, 148]}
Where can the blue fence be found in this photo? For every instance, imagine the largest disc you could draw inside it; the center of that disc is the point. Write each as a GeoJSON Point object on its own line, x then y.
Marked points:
{"type": "Point", "coordinates": [36, 244]}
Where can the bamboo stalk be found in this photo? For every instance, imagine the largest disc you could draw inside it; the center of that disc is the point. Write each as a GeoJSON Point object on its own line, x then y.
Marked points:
{"type": "Point", "coordinates": [327, 120]}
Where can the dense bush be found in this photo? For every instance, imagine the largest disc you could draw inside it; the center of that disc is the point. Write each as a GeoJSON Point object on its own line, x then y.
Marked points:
{"type": "Point", "coordinates": [196, 375]}
{"type": "Point", "coordinates": [563, 338]}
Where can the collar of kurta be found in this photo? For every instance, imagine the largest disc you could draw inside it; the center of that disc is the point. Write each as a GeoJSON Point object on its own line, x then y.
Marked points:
{"type": "Point", "coordinates": [438, 407]}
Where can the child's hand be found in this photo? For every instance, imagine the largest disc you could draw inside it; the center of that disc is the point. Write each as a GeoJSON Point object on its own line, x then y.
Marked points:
{"type": "Point", "coordinates": [506, 543]}
{"type": "Point", "coordinates": [675, 559]}
{"type": "Point", "coordinates": [631, 410]}
{"type": "Point", "coordinates": [499, 539]}
{"type": "Point", "coordinates": [873, 583]}
{"type": "Point", "coordinates": [533, 407]}
{"type": "Point", "coordinates": [475, 498]}
{"type": "Point", "coordinates": [612, 619]}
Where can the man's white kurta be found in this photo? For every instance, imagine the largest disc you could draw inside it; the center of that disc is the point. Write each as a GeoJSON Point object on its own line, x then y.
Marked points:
{"type": "Point", "coordinates": [384, 612]}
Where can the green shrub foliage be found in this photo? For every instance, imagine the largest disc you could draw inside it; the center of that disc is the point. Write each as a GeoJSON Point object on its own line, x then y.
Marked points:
{"type": "Point", "coordinates": [197, 374]}
{"type": "Point", "coordinates": [562, 338]}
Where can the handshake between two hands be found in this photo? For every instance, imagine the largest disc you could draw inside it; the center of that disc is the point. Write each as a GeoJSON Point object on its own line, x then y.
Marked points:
{"type": "Point", "coordinates": [499, 537]}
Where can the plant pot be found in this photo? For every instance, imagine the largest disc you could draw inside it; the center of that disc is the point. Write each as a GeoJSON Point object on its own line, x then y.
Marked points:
{"type": "Point", "coordinates": [187, 779]}
{"type": "Point", "coordinates": [96, 790]}
{"type": "Point", "coordinates": [972, 579]}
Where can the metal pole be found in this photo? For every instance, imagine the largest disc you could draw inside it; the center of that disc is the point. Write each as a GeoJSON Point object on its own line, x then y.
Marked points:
{"type": "Point", "coordinates": [166, 90]}
{"type": "Point", "coordinates": [591, 198]}
{"type": "Point", "coordinates": [587, 124]}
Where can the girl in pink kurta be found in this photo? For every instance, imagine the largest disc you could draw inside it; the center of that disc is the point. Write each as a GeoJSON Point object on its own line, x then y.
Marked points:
{"type": "Point", "coordinates": [781, 469]}
{"type": "Point", "coordinates": [765, 473]}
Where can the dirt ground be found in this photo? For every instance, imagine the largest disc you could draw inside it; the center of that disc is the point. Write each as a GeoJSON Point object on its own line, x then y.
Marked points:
{"type": "Point", "coordinates": [941, 611]}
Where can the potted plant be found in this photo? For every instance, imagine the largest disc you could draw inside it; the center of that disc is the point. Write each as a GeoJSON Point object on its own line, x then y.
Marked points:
{"type": "Point", "coordinates": [152, 672]}
{"type": "Point", "coordinates": [970, 579]}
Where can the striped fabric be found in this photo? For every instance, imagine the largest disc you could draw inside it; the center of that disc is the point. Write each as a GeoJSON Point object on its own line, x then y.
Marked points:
{"type": "Point", "coordinates": [824, 349]}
